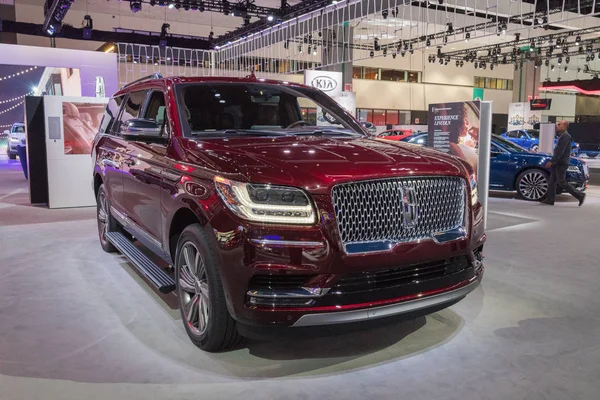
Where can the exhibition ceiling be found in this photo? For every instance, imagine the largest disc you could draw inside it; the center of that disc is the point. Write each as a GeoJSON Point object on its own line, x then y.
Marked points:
{"type": "Point", "coordinates": [16, 81]}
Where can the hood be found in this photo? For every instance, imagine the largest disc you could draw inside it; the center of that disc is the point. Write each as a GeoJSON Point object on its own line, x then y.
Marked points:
{"type": "Point", "coordinates": [542, 158]}
{"type": "Point", "coordinates": [316, 163]}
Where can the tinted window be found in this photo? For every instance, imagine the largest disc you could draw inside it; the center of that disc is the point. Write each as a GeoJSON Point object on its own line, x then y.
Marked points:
{"type": "Point", "coordinates": [513, 134]}
{"type": "Point", "coordinates": [534, 133]}
{"type": "Point", "coordinates": [131, 109]}
{"type": "Point", "coordinates": [156, 109]}
{"type": "Point", "coordinates": [213, 108]}
{"type": "Point", "coordinates": [508, 145]}
{"type": "Point", "coordinates": [18, 128]}
{"type": "Point", "coordinates": [110, 114]}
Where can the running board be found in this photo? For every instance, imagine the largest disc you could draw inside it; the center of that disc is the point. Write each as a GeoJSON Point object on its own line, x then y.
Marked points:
{"type": "Point", "coordinates": [141, 262]}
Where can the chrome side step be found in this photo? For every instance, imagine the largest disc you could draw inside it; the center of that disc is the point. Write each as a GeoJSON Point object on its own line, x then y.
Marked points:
{"type": "Point", "coordinates": [143, 264]}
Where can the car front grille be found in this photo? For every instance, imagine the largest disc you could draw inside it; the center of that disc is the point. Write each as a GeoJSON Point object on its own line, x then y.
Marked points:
{"type": "Point", "coordinates": [374, 215]}
{"type": "Point", "coordinates": [394, 277]}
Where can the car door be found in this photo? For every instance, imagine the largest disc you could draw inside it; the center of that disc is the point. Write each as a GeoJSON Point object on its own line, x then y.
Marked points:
{"type": "Point", "coordinates": [500, 168]}
{"type": "Point", "coordinates": [111, 150]}
{"type": "Point", "coordinates": [144, 166]}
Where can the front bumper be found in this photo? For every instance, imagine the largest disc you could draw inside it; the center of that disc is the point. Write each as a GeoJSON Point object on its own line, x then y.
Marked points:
{"type": "Point", "coordinates": [411, 304]}
{"type": "Point", "coordinates": [300, 276]}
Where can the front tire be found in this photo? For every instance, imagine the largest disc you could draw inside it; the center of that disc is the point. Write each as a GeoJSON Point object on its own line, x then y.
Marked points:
{"type": "Point", "coordinates": [200, 291]}
{"type": "Point", "coordinates": [532, 184]}
{"type": "Point", "coordinates": [106, 222]}
{"type": "Point", "coordinates": [12, 156]}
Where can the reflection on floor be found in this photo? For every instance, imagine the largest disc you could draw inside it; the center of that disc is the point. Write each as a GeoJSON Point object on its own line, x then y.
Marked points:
{"type": "Point", "coordinates": [77, 323]}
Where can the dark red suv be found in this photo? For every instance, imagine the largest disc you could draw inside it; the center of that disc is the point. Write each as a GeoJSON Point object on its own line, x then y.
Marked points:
{"type": "Point", "coordinates": [271, 218]}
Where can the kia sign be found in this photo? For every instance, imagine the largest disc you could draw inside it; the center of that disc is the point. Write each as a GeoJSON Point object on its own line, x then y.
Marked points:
{"type": "Point", "coordinates": [325, 81]}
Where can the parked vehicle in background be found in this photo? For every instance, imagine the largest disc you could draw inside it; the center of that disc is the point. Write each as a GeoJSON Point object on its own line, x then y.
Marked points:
{"type": "Point", "coordinates": [16, 137]}
{"type": "Point", "coordinates": [530, 139]}
{"type": "Point", "coordinates": [262, 213]}
{"type": "Point", "coordinates": [369, 127]}
{"type": "Point", "coordinates": [395, 134]}
{"type": "Point", "coordinates": [514, 168]}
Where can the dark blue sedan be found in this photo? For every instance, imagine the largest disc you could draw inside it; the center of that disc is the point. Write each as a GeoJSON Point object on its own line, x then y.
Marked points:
{"type": "Point", "coordinates": [514, 168]}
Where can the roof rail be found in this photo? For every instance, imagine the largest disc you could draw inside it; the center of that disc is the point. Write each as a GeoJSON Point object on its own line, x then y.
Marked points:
{"type": "Point", "coordinates": [153, 76]}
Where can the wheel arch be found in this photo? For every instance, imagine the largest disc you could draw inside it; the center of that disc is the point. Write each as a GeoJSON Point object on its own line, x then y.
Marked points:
{"type": "Point", "coordinates": [183, 217]}
{"type": "Point", "coordinates": [523, 169]}
{"type": "Point", "coordinates": [98, 181]}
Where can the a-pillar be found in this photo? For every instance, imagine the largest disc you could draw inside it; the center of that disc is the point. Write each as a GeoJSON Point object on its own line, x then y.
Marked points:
{"type": "Point", "coordinates": [526, 82]}
{"type": "Point", "coordinates": [336, 53]}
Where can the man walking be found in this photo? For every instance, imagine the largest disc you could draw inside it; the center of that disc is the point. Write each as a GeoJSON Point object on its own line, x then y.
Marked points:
{"type": "Point", "coordinates": [559, 164]}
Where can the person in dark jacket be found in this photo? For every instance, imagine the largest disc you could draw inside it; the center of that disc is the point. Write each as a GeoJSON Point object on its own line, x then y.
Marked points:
{"type": "Point", "coordinates": [559, 164]}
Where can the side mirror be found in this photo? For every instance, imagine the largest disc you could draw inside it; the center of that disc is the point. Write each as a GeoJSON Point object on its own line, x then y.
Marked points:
{"type": "Point", "coordinates": [143, 130]}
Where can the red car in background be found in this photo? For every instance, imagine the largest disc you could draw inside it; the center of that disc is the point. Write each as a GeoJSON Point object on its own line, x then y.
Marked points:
{"type": "Point", "coordinates": [395, 134]}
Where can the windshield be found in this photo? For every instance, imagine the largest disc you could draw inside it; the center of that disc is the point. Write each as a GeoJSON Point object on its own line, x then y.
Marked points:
{"type": "Point", "coordinates": [18, 129]}
{"type": "Point", "coordinates": [508, 145]}
{"type": "Point", "coordinates": [210, 109]}
{"type": "Point", "coordinates": [534, 133]}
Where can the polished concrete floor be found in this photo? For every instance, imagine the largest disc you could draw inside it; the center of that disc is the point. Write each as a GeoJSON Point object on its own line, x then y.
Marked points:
{"type": "Point", "coordinates": [77, 323]}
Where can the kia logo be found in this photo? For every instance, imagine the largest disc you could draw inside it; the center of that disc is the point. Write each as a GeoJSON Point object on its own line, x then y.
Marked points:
{"type": "Point", "coordinates": [324, 83]}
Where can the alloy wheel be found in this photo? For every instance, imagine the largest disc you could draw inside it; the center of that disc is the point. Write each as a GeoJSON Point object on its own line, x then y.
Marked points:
{"type": "Point", "coordinates": [533, 185]}
{"type": "Point", "coordinates": [102, 215]}
{"type": "Point", "coordinates": [193, 289]}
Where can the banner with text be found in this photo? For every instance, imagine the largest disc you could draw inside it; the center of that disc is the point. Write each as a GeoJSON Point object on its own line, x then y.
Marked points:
{"type": "Point", "coordinates": [520, 116]}
{"type": "Point", "coordinates": [454, 129]}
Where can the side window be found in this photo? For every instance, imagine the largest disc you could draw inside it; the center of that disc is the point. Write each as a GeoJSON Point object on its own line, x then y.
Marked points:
{"type": "Point", "coordinates": [513, 134]}
{"type": "Point", "coordinates": [495, 149]}
{"type": "Point", "coordinates": [132, 108]}
{"type": "Point", "coordinates": [110, 114]}
{"type": "Point", "coordinates": [156, 110]}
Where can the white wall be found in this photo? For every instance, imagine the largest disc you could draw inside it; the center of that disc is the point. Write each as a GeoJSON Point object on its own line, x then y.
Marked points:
{"type": "Point", "coordinates": [563, 105]}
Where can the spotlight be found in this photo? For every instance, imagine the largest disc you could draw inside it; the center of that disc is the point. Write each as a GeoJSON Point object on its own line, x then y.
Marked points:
{"type": "Point", "coordinates": [186, 6]}
{"type": "Point", "coordinates": [552, 68]}
{"type": "Point", "coordinates": [171, 6]}
{"type": "Point", "coordinates": [475, 65]}
{"type": "Point", "coordinates": [559, 60]}
{"type": "Point", "coordinates": [586, 68]}
{"type": "Point", "coordinates": [152, 2]}
{"type": "Point", "coordinates": [270, 18]}
{"type": "Point", "coordinates": [427, 43]}
{"type": "Point", "coordinates": [441, 61]}
{"type": "Point", "coordinates": [547, 62]}
{"type": "Point", "coordinates": [384, 14]}
{"type": "Point", "coordinates": [53, 28]}
{"type": "Point", "coordinates": [567, 69]}
{"type": "Point", "coordinates": [376, 45]}
{"type": "Point", "coordinates": [201, 6]}
{"type": "Point", "coordinates": [385, 52]}
{"type": "Point", "coordinates": [492, 66]}
{"type": "Point", "coordinates": [88, 26]}
{"type": "Point", "coordinates": [135, 5]}
{"type": "Point", "coordinates": [315, 51]}
{"type": "Point", "coordinates": [517, 37]}
{"type": "Point", "coordinates": [226, 8]}
{"type": "Point", "coordinates": [467, 36]}
{"type": "Point", "coordinates": [163, 35]}
{"type": "Point", "coordinates": [457, 63]}
{"type": "Point", "coordinates": [211, 36]}
{"type": "Point", "coordinates": [445, 39]}
{"type": "Point", "coordinates": [300, 49]}
{"type": "Point", "coordinates": [577, 40]}
{"type": "Point", "coordinates": [462, 63]}
{"type": "Point", "coordinates": [246, 20]}
{"type": "Point", "coordinates": [504, 60]}
{"type": "Point", "coordinates": [587, 59]}
{"type": "Point", "coordinates": [309, 49]}
{"type": "Point", "coordinates": [450, 28]}
{"type": "Point", "coordinates": [371, 54]}
{"type": "Point", "coordinates": [394, 54]}
{"type": "Point", "coordinates": [402, 53]}
{"type": "Point", "coordinates": [503, 28]}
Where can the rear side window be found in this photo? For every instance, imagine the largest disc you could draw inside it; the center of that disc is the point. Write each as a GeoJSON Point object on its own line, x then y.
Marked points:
{"type": "Point", "coordinates": [110, 114]}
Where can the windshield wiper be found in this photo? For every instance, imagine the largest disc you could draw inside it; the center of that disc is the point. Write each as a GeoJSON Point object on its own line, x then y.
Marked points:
{"type": "Point", "coordinates": [324, 132]}
{"type": "Point", "coordinates": [239, 132]}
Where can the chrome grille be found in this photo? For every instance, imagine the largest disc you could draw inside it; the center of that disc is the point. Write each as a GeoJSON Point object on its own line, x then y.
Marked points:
{"type": "Point", "coordinates": [374, 215]}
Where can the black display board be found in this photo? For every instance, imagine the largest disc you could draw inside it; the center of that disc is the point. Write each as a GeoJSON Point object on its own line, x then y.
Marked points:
{"type": "Point", "coordinates": [36, 149]}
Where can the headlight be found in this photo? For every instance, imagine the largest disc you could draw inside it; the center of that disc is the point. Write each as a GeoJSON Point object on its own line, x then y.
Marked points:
{"type": "Point", "coordinates": [474, 196]}
{"type": "Point", "coordinates": [266, 203]}
{"type": "Point", "coordinates": [14, 139]}
{"type": "Point", "coordinates": [573, 168]}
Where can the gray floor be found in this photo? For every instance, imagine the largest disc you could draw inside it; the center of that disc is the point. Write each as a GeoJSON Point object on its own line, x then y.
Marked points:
{"type": "Point", "coordinates": [77, 323]}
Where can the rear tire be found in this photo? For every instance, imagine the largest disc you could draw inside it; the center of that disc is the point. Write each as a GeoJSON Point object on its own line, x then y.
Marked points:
{"type": "Point", "coordinates": [12, 156]}
{"type": "Point", "coordinates": [106, 222]}
{"type": "Point", "coordinates": [200, 291]}
{"type": "Point", "coordinates": [532, 184]}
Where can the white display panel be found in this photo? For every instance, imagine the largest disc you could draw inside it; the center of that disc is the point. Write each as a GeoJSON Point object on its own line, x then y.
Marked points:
{"type": "Point", "coordinates": [547, 135]}
{"type": "Point", "coordinates": [70, 127]}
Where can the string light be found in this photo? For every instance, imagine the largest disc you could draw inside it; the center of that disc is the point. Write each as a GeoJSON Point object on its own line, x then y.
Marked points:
{"type": "Point", "coordinates": [16, 98]}
{"type": "Point", "coordinates": [5, 126]}
{"type": "Point", "coordinates": [4, 78]}
{"type": "Point", "coordinates": [12, 108]}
